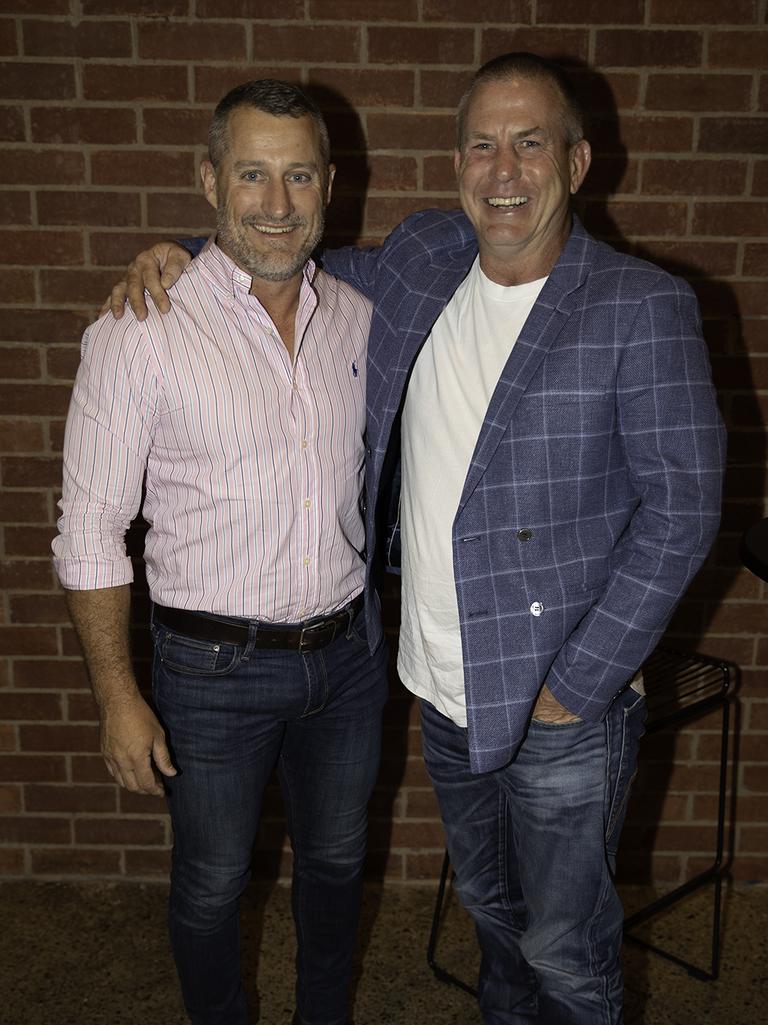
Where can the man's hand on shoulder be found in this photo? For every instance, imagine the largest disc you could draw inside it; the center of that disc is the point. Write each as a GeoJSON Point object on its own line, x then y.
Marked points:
{"type": "Point", "coordinates": [153, 270]}
{"type": "Point", "coordinates": [548, 709]}
{"type": "Point", "coordinates": [133, 745]}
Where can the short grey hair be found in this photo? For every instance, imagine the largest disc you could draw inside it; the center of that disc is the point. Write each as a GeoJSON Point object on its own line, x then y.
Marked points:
{"type": "Point", "coordinates": [521, 64]}
{"type": "Point", "coordinates": [280, 99]}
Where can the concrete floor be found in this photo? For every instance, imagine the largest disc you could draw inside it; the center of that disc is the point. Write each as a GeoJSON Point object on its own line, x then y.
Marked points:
{"type": "Point", "coordinates": [96, 954]}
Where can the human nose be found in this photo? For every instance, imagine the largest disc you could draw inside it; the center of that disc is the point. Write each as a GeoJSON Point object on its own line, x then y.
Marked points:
{"type": "Point", "coordinates": [506, 167]}
{"type": "Point", "coordinates": [277, 200]}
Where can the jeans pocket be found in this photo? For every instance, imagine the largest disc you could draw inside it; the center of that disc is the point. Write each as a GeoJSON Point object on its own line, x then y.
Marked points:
{"type": "Point", "coordinates": [626, 725]}
{"type": "Point", "coordinates": [193, 657]}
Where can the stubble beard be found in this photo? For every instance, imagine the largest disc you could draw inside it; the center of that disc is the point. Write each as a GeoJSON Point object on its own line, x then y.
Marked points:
{"type": "Point", "coordinates": [277, 266]}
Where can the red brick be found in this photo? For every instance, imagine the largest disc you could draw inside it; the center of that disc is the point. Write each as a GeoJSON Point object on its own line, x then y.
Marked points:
{"type": "Point", "coordinates": [115, 82]}
{"type": "Point", "coordinates": [698, 92]}
{"type": "Point", "coordinates": [38, 608]}
{"type": "Point", "coordinates": [211, 84]}
{"type": "Point", "coordinates": [643, 134]}
{"type": "Point", "coordinates": [9, 46]}
{"type": "Point", "coordinates": [46, 326]}
{"type": "Point", "coordinates": [387, 173]}
{"type": "Point", "coordinates": [165, 126]}
{"type": "Point", "coordinates": [80, 287]}
{"type": "Point", "coordinates": [253, 10]}
{"type": "Point", "coordinates": [384, 212]}
{"type": "Point", "coordinates": [29, 540]}
{"type": "Point", "coordinates": [422, 866]}
{"type": "Point", "coordinates": [63, 361]}
{"type": "Point", "coordinates": [83, 125]}
{"type": "Point", "coordinates": [8, 737]}
{"type": "Point", "coordinates": [607, 92]}
{"type": "Point", "coordinates": [28, 829]}
{"type": "Point", "coordinates": [753, 336]}
{"type": "Point", "coordinates": [571, 12]}
{"type": "Point", "coordinates": [23, 506]}
{"type": "Point", "coordinates": [42, 6]}
{"type": "Point", "coordinates": [18, 768]}
{"type": "Point", "coordinates": [729, 219]}
{"type": "Point", "coordinates": [20, 472]}
{"type": "Point", "coordinates": [19, 363]}
{"type": "Point", "coordinates": [47, 38]}
{"type": "Point", "coordinates": [89, 769]}
{"type": "Point", "coordinates": [15, 208]}
{"type": "Point", "coordinates": [307, 44]}
{"type": "Point", "coordinates": [756, 260]}
{"type": "Point", "coordinates": [35, 81]}
{"type": "Point", "coordinates": [148, 167]}
{"type": "Point", "coordinates": [61, 673]}
{"type": "Point", "coordinates": [693, 259]}
{"type": "Point", "coordinates": [417, 45]}
{"type": "Point", "coordinates": [21, 574]}
{"type": "Point", "coordinates": [694, 177]}
{"type": "Point", "coordinates": [755, 778]}
{"type": "Point", "coordinates": [40, 797]}
{"type": "Point", "coordinates": [738, 49]}
{"type": "Point", "coordinates": [549, 42]}
{"type": "Point", "coordinates": [140, 804]}
{"type": "Point", "coordinates": [352, 10]}
{"type": "Point", "coordinates": [734, 135]}
{"type": "Point", "coordinates": [443, 88]}
{"type": "Point", "coordinates": [27, 640]}
{"type": "Point", "coordinates": [703, 12]}
{"type": "Point", "coordinates": [137, 832]}
{"type": "Point", "coordinates": [11, 124]}
{"type": "Point", "coordinates": [18, 705]}
{"type": "Point", "coordinates": [647, 48]}
{"type": "Point", "coordinates": [753, 839]}
{"type": "Point", "coordinates": [11, 862]}
{"type": "Point", "coordinates": [363, 87]}
{"type": "Point", "coordinates": [636, 219]}
{"type": "Point", "coordinates": [82, 707]}
{"type": "Point", "coordinates": [58, 738]}
{"type": "Point", "coordinates": [439, 175]}
{"type": "Point", "coordinates": [10, 799]}
{"type": "Point", "coordinates": [74, 861]}
{"type": "Point", "coordinates": [48, 248]}
{"type": "Point", "coordinates": [190, 41]}
{"type": "Point", "coordinates": [18, 286]}
{"type": "Point", "coordinates": [188, 211]}
{"type": "Point", "coordinates": [646, 866]}
{"type": "Point", "coordinates": [422, 804]}
{"type": "Point", "coordinates": [43, 166]}
{"type": "Point", "coordinates": [147, 863]}
{"type": "Point", "coordinates": [411, 131]}
{"type": "Point", "coordinates": [155, 8]}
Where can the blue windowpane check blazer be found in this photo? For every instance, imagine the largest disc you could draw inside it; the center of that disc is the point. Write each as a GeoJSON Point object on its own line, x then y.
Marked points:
{"type": "Point", "coordinates": [593, 494]}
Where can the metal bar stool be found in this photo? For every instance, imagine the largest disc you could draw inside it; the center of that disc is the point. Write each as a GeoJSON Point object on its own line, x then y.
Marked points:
{"type": "Point", "coordinates": [679, 688]}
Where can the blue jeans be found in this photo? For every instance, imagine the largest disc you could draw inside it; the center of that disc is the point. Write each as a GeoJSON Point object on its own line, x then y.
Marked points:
{"type": "Point", "coordinates": [231, 714]}
{"type": "Point", "coordinates": [533, 846]}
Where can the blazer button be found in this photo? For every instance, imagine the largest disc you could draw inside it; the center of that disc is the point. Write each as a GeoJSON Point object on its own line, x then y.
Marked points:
{"type": "Point", "coordinates": [537, 608]}
{"type": "Point", "coordinates": [524, 534]}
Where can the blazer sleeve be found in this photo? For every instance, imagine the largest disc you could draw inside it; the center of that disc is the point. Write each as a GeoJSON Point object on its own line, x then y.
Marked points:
{"type": "Point", "coordinates": [674, 444]}
{"type": "Point", "coordinates": [357, 266]}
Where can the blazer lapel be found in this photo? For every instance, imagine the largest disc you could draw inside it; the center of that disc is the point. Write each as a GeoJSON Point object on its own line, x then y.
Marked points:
{"type": "Point", "coordinates": [546, 320]}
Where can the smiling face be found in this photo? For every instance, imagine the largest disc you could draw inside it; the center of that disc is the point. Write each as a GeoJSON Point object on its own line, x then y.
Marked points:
{"type": "Point", "coordinates": [270, 191]}
{"type": "Point", "coordinates": [516, 174]}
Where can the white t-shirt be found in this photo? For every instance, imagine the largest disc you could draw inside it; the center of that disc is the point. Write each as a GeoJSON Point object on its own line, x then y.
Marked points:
{"type": "Point", "coordinates": [450, 389]}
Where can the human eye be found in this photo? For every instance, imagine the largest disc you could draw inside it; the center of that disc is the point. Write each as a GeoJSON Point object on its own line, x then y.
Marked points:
{"type": "Point", "coordinates": [250, 176]}
{"type": "Point", "coordinates": [482, 146]}
{"type": "Point", "coordinates": [299, 177]}
{"type": "Point", "coordinates": [530, 144]}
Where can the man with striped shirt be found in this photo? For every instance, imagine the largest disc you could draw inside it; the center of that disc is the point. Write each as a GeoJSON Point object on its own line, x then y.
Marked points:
{"type": "Point", "coordinates": [241, 415]}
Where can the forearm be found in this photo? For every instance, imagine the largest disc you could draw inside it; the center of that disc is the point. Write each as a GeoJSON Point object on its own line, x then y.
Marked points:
{"type": "Point", "coordinates": [101, 619]}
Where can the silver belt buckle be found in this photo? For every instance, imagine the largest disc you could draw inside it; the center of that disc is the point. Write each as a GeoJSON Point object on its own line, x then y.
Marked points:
{"type": "Point", "coordinates": [311, 629]}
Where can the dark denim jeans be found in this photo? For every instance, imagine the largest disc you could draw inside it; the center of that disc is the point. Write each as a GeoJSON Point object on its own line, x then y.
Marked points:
{"type": "Point", "coordinates": [231, 714]}
{"type": "Point", "coordinates": [533, 846]}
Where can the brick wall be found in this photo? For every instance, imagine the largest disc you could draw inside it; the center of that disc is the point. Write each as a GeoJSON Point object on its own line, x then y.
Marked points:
{"type": "Point", "coordinates": [104, 112]}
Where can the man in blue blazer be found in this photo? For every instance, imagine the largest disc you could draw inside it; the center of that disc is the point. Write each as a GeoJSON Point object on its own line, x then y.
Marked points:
{"type": "Point", "coordinates": [562, 455]}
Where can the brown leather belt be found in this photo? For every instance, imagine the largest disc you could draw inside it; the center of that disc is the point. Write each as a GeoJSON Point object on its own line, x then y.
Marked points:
{"type": "Point", "coordinates": [307, 636]}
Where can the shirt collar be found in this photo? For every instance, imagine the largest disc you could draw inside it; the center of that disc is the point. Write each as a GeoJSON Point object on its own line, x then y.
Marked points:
{"type": "Point", "coordinates": [225, 275]}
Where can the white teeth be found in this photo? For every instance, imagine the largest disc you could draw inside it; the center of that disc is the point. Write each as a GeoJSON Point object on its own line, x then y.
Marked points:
{"type": "Point", "coordinates": [506, 200]}
{"type": "Point", "coordinates": [271, 231]}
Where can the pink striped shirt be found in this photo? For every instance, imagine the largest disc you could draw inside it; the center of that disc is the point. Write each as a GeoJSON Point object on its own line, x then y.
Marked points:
{"type": "Point", "coordinates": [253, 465]}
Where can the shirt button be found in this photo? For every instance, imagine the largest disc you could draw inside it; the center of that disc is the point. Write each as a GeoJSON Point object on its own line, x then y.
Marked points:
{"type": "Point", "coordinates": [524, 534]}
{"type": "Point", "coordinates": [307, 504]}
{"type": "Point", "coordinates": [307, 560]}
{"type": "Point", "coordinates": [536, 608]}
{"type": "Point", "coordinates": [304, 443]}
